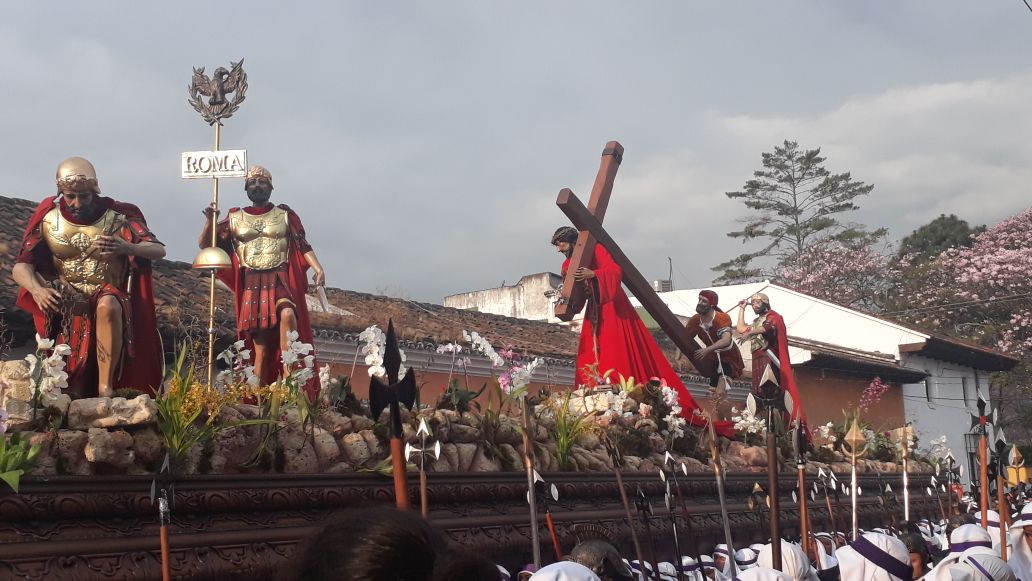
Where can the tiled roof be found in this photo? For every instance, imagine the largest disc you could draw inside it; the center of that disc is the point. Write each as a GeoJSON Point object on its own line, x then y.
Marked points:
{"type": "Point", "coordinates": [181, 300]}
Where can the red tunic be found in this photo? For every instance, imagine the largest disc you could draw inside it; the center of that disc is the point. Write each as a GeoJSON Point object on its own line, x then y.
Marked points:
{"type": "Point", "coordinates": [776, 336]}
{"type": "Point", "coordinates": [296, 288]}
{"type": "Point", "coordinates": [614, 337]}
{"type": "Point", "coordinates": [140, 364]}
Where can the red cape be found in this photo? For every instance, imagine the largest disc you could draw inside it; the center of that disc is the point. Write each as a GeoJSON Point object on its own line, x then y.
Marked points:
{"type": "Point", "coordinates": [623, 342]}
{"type": "Point", "coordinates": [141, 363]}
{"type": "Point", "coordinates": [297, 278]}
{"type": "Point", "coordinates": [785, 375]}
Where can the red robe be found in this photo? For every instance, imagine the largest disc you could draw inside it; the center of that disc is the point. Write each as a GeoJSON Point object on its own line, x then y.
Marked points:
{"type": "Point", "coordinates": [140, 365]}
{"type": "Point", "coordinates": [297, 281]}
{"type": "Point", "coordinates": [614, 337]}
{"type": "Point", "coordinates": [776, 335]}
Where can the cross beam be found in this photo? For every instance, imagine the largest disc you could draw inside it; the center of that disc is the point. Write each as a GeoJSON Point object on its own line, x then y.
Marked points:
{"type": "Point", "coordinates": [587, 223]}
{"type": "Point", "coordinates": [572, 297]}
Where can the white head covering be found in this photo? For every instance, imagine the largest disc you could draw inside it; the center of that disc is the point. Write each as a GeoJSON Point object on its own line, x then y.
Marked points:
{"type": "Point", "coordinates": [667, 571]}
{"type": "Point", "coordinates": [794, 561]}
{"type": "Point", "coordinates": [757, 547]}
{"type": "Point", "coordinates": [829, 538]}
{"type": "Point", "coordinates": [970, 539]}
{"type": "Point", "coordinates": [762, 574]}
{"type": "Point", "coordinates": [564, 571]}
{"type": "Point", "coordinates": [745, 559]}
{"type": "Point", "coordinates": [993, 519]}
{"type": "Point", "coordinates": [825, 561]}
{"type": "Point", "coordinates": [856, 564]}
{"type": "Point", "coordinates": [1020, 556]}
{"type": "Point", "coordinates": [691, 569]}
{"type": "Point", "coordinates": [721, 551]}
{"type": "Point", "coordinates": [980, 567]}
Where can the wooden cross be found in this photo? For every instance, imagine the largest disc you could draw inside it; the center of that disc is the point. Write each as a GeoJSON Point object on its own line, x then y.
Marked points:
{"type": "Point", "coordinates": [589, 222]}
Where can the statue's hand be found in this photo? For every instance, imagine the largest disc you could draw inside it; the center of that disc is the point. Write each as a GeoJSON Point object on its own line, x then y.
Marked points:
{"type": "Point", "coordinates": [108, 246]}
{"type": "Point", "coordinates": [319, 277]}
{"type": "Point", "coordinates": [47, 298]}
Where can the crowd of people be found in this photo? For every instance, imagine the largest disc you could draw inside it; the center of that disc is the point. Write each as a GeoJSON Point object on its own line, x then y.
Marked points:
{"type": "Point", "coordinates": [383, 544]}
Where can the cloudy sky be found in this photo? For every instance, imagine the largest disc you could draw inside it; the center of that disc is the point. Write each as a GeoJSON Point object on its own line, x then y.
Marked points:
{"type": "Point", "coordinates": [423, 143]}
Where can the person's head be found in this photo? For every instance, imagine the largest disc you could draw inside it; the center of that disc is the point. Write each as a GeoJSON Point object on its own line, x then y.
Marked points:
{"type": "Point", "coordinates": [760, 303]}
{"type": "Point", "coordinates": [77, 183]}
{"type": "Point", "coordinates": [602, 558]}
{"type": "Point", "coordinates": [258, 185]}
{"type": "Point", "coordinates": [707, 302]}
{"type": "Point", "coordinates": [370, 545]}
{"type": "Point", "coordinates": [563, 239]}
{"type": "Point", "coordinates": [919, 556]}
{"type": "Point", "coordinates": [564, 571]}
{"type": "Point", "coordinates": [466, 566]}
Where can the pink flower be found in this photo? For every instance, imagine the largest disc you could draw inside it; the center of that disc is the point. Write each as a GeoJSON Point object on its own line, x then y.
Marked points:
{"type": "Point", "coordinates": [645, 410]}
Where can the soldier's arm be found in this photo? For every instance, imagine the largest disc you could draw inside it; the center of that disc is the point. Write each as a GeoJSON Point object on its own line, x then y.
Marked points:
{"type": "Point", "coordinates": [24, 273]}
{"type": "Point", "coordinates": [318, 274]}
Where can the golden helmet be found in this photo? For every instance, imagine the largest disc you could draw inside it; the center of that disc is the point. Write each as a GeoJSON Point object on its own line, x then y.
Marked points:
{"type": "Point", "coordinates": [258, 171]}
{"type": "Point", "coordinates": [77, 174]}
{"type": "Point", "coordinates": [763, 298]}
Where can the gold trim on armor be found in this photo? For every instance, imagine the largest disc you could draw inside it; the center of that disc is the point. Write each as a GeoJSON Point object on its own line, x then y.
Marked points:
{"type": "Point", "coordinates": [260, 241]}
{"type": "Point", "coordinates": [70, 245]}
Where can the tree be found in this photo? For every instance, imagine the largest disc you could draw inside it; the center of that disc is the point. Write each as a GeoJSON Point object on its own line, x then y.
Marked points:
{"type": "Point", "coordinates": [795, 202]}
{"type": "Point", "coordinates": [855, 277]}
{"type": "Point", "coordinates": [930, 240]}
{"type": "Point", "coordinates": [983, 292]}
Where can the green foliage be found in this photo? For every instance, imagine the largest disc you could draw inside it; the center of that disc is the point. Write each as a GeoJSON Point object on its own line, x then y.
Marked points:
{"type": "Point", "coordinates": [930, 240]}
{"type": "Point", "coordinates": [458, 398]}
{"type": "Point", "coordinates": [794, 202]}
{"type": "Point", "coordinates": [568, 427]}
{"type": "Point", "coordinates": [343, 400]}
{"type": "Point", "coordinates": [17, 457]}
{"type": "Point", "coordinates": [188, 410]}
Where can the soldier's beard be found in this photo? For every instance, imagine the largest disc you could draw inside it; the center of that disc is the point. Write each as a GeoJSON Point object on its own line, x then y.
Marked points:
{"type": "Point", "coordinates": [703, 308]}
{"type": "Point", "coordinates": [763, 308]}
{"type": "Point", "coordinates": [259, 196]}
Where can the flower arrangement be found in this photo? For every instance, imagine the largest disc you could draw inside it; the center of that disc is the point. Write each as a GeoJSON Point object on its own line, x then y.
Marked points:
{"type": "Point", "coordinates": [47, 370]}
{"type": "Point", "coordinates": [747, 424]}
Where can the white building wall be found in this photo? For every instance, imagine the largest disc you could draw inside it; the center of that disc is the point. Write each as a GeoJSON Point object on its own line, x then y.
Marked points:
{"type": "Point", "coordinates": [527, 299]}
{"type": "Point", "coordinates": [943, 405]}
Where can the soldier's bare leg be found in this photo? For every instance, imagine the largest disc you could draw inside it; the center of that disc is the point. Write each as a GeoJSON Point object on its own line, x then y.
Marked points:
{"type": "Point", "coordinates": [263, 343]}
{"type": "Point", "coordinates": [109, 343]}
{"type": "Point", "coordinates": [288, 323]}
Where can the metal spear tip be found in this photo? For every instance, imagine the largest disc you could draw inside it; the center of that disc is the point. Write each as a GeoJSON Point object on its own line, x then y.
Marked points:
{"type": "Point", "coordinates": [888, 489]}
{"type": "Point", "coordinates": [424, 429]}
{"type": "Point", "coordinates": [789, 403]}
{"type": "Point", "coordinates": [813, 495]}
{"type": "Point", "coordinates": [684, 468]}
{"type": "Point", "coordinates": [1014, 458]}
{"type": "Point", "coordinates": [795, 497]}
{"type": "Point", "coordinates": [928, 490]}
{"type": "Point", "coordinates": [668, 458]}
{"type": "Point", "coordinates": [756, 488]}
{"type": "Point", "coordinates": [555, 493]}
{"type": "Point", "coordinates": [934, 481]}
{"type": "Point", "coordinates": [855, 437]}
{"type": "Point", "coordinates": [982, 402]}
{"type": "Point", "coordinates": [662, 475]}
{"type": "Point", "coordinates": [961, 470]}
{"type": "Point", "coordinates": [750, 404]}
{"type": "Point", "coordinates": [537, 476]}
{"type": "Point", "coordinates": [408, 450]}
{"type": "Point", "coordinates": [820, 472]}
{"type": "Point", "coordinates": [437, 450]}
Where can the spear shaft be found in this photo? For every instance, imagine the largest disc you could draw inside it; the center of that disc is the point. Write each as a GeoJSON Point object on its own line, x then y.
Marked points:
{"type": "Point", "coordinates": [718, 474]}
{"type": "Point", "coordinates": [614, 455]}
{"type": "Point", "coordinates": [528, 464]}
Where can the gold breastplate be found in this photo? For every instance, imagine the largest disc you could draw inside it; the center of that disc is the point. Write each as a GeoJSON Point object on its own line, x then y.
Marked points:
{"type": "Point", "coordinates": [69, 244]}
{"type": "Point", "coordinates": [260, 241]}
{"type": "Point", "coordinates": [758, 342]}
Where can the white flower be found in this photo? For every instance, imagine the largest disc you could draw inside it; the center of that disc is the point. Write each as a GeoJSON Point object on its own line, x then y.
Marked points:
{"type": "Point", "coordinates": [325, 381]}
{"type": "Point", "coordinates": [309, 361]}
{"type": "Point", "coordinates": [63, 350]}
{"type": "Point", "coordinates": [238, 345]}
{"type": "Point", "coordinates": [289, 358]}
{"type": "Point", "coordinates": [33, 361]}
{"type": "Point", "coordinates": [292, 336]}
{"type": "Point", "coordinates": [249, 374]}
{"type": "Point", "coordinates": [303, 375]}
{"type": "Point", "coordinates": [373, 359]}
{"type": "Point", "coordinates": [377, 371]}
{"type": "Point", "coordinates": [245, 355]}
{"type": "Point", "coordinates": [43, 344]}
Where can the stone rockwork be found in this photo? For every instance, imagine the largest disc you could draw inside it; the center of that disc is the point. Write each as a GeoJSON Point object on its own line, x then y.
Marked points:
{"type": "Point", "coordinates": [122, 436]}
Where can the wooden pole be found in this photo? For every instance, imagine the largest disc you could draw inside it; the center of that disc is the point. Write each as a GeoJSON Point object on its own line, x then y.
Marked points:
{"type": "Point", "coordinates": [772, 494]}
{"type": "Point", "coordinates": [401, 495]}
{"type": "Point", "coordinates": [983, 452]}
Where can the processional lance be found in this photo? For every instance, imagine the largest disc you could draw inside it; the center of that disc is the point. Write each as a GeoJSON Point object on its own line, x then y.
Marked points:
{"type": "Point", "coordinates": [980, 425]}
{"type": "Point", "coordinates": [904, 447]}
{"type": "Point", "coordinates": [435, 451]}
{"type": "Point", "coordinates": [668, 501]}
{"type": "Point", "coordinates": [543, 491]}
{"type": "Point", "coordinates": [857, 447]}
{"type": "Point", "coordinates": [718, 474]}
{"type": "Point", "coordinates": [828, 481]}
{"type": "Point", "coordinates": [215, 164]}
{"type": "Point", "coordinates": [933, 488]}
{"type": "Point", "coordinates": [668, 461]}
{"type": "Point", "coordinates": [617, 458]}
{"type": "Point", "coordinates": [1002, 507]}
{"type": "Point", "coordinates": [390, 396]}
{"type": "Point", "coordinates": [161, 495]}
{"type": "Point", "coordinates": [800, 446]}
{"type": "Point", "coordinates": [641, 502]}
{"type": "Point", "coordinates": [770, 397]}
